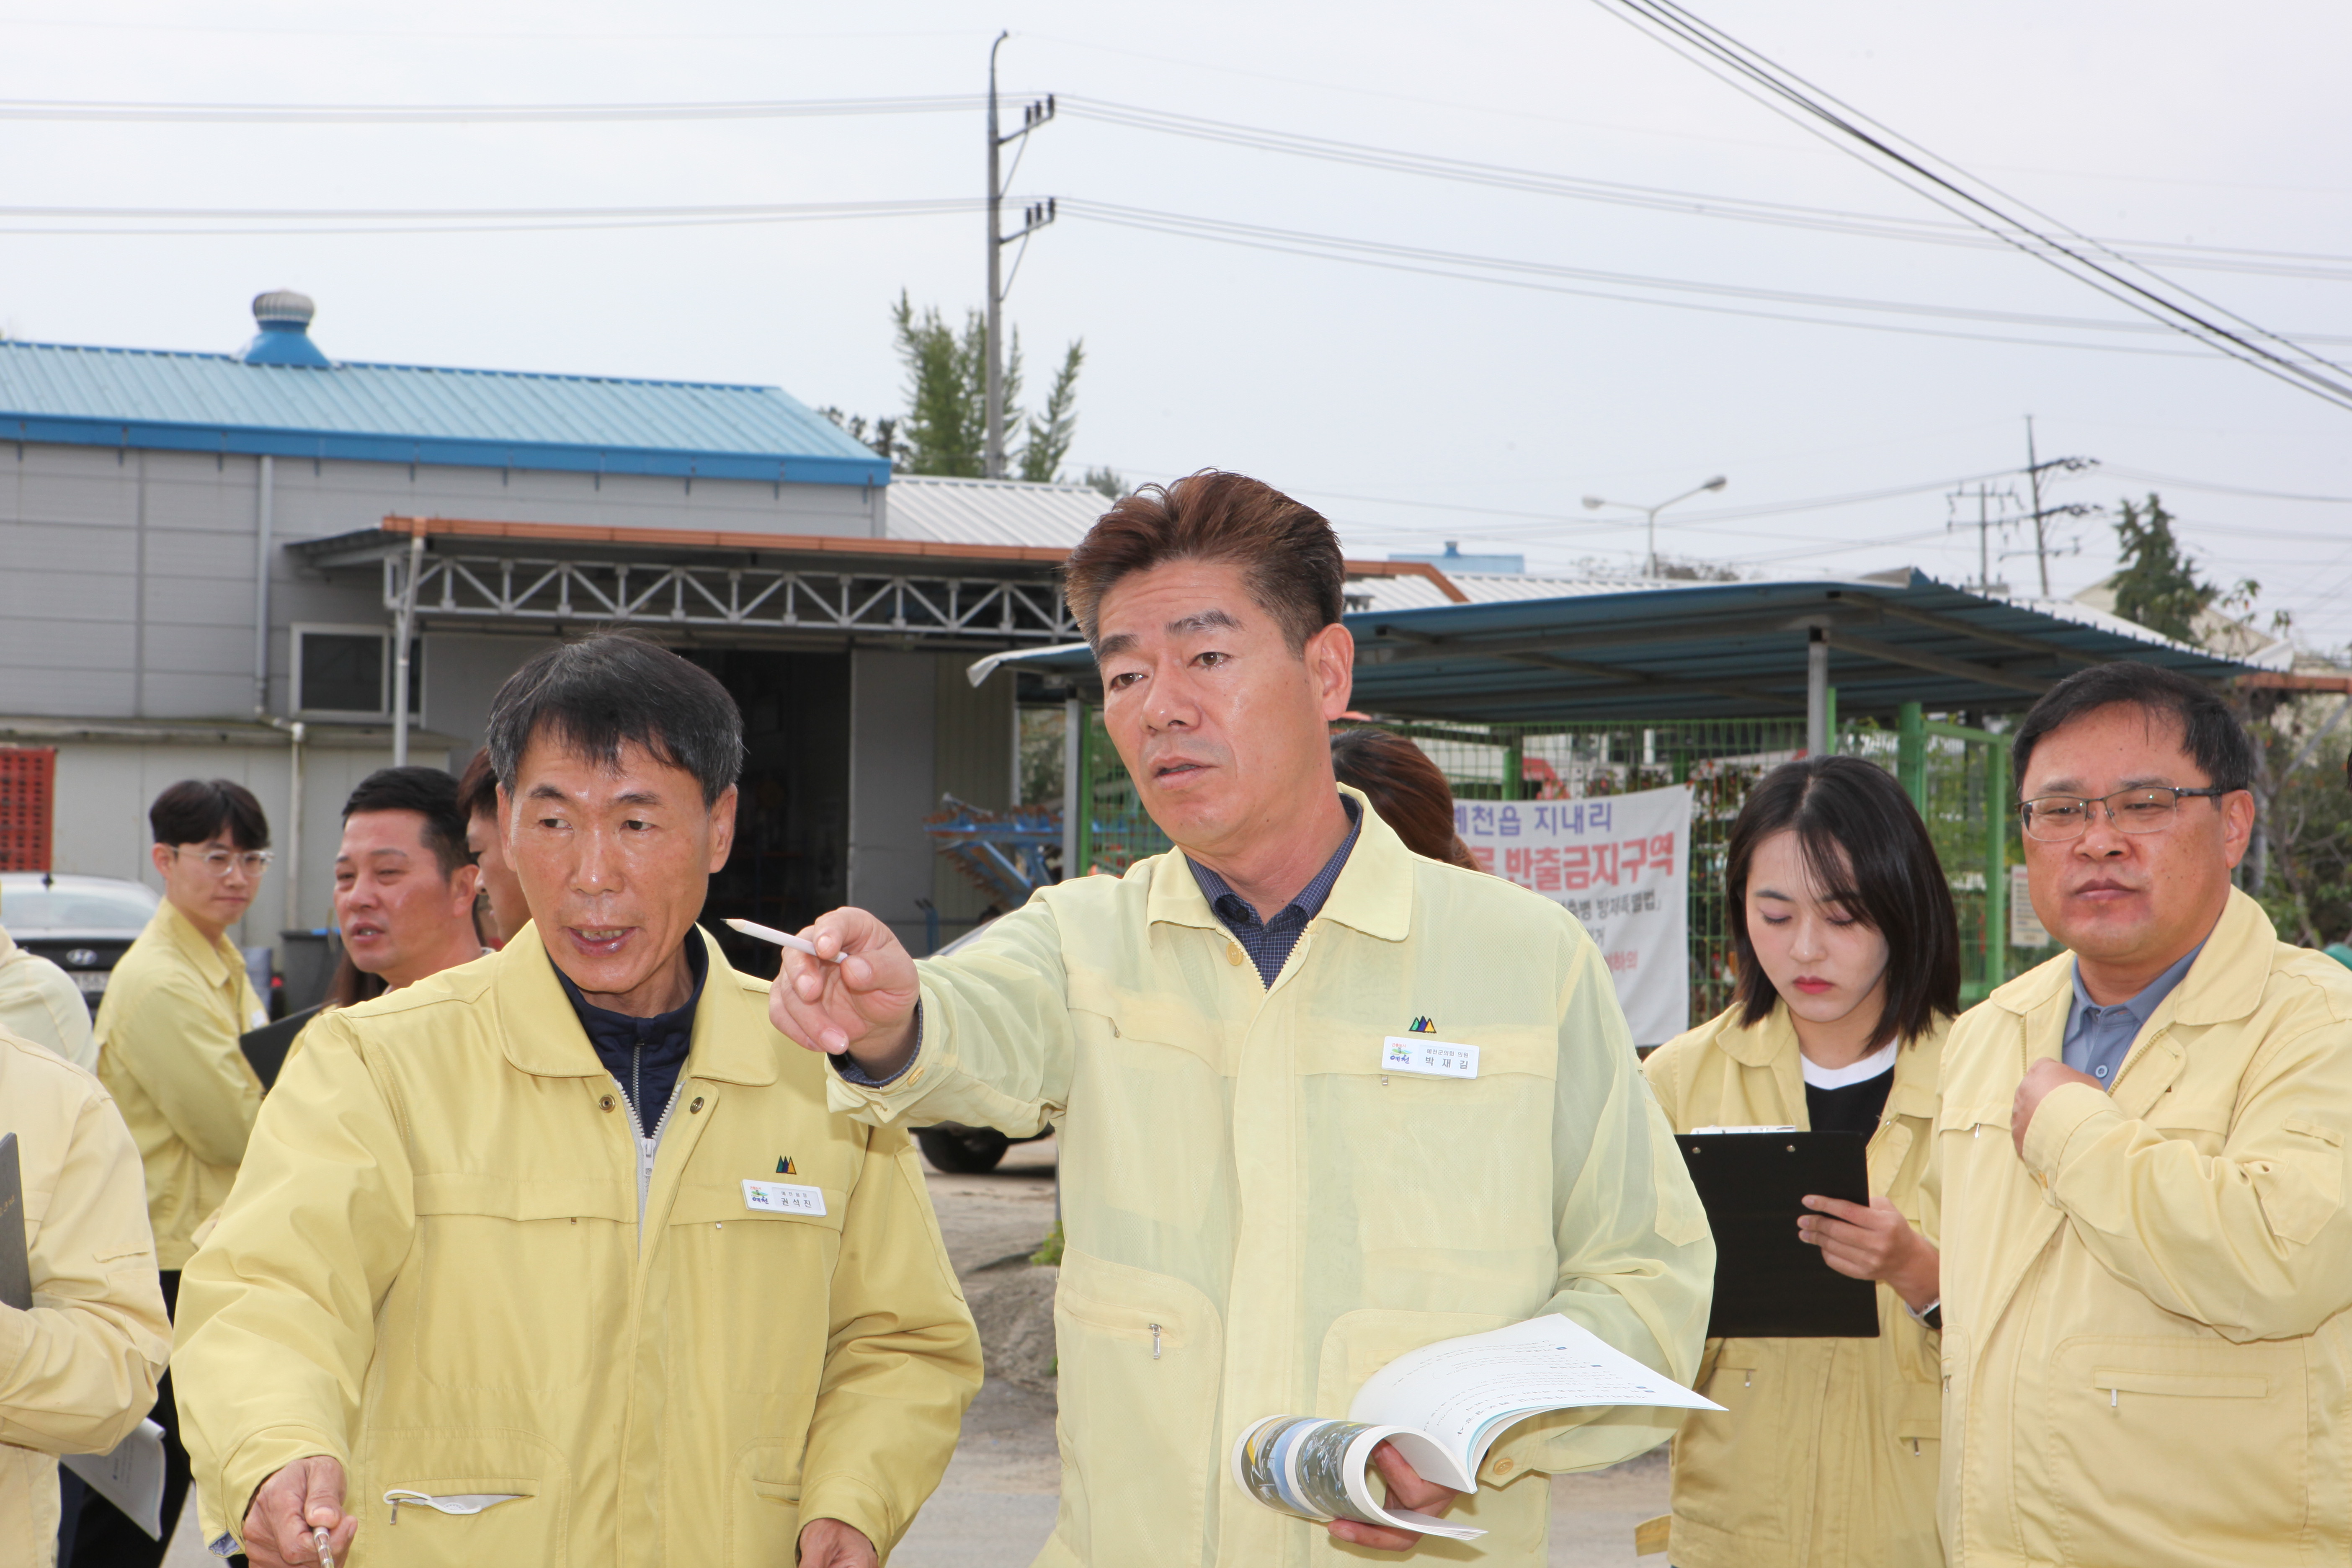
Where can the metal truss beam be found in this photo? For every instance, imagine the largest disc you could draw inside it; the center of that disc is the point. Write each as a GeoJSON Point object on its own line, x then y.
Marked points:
{"type": "Point", "coordinates": [995, 610]}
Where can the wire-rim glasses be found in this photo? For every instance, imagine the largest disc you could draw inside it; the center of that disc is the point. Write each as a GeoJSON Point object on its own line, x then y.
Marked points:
{"type": "Point", "coordinates": [219, 863]}
{"type": "Point", "coordinates": [2147, 808]}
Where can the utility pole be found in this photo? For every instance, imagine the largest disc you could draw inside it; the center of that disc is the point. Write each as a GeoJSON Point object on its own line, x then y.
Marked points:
{"type": "Point", "coordinates": [1036, 217]}
{"type": "Point", "coordinates": [2034, 469]}
{"type": "Point", "coordinates": [1984, 526]}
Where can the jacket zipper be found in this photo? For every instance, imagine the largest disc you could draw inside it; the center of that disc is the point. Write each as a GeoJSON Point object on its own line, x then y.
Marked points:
{"type": "Point", "coordinates": [647, 1147]}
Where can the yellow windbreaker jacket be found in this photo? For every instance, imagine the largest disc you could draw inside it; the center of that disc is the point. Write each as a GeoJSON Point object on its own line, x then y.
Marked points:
{"type": "Point", "coordinates": [78, 1370]}
{"type": "Point", "coordinates": [40, 1001]}
{"type": "Point", "coordinates": [2146, 1352]}
{"type": "Point", "coordinates": [1259, 1216]}
{"type": "Point", "coordinates": [1829, 1450]}
{"type": "Point", "coordinates": [167, 1052]}
{"type": "Point", "coordinates": [434, 1270]}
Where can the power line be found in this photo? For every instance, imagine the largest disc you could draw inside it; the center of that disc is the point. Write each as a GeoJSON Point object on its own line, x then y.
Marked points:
{"type": "Point", "coordinates": [2231, 259]}
{"type": "Point", "coordinates": [1525, 274]}
{"type": "Point", "coordinates": [1974, 200]}
{"type": "Point", "coordinates": [126, 111]}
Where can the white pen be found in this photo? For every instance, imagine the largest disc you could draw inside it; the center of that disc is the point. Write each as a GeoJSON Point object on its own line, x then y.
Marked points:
{"type": "Point", "coordinates": [782, 939]}
{"type": "Point", "coordinates": [319, 1538]}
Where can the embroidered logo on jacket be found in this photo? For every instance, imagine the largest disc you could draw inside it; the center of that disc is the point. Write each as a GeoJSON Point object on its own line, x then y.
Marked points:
{"type": "Point", "coordinates": [784, 1166]}
{"type": "Point", "coordinates": [1424, 1026]}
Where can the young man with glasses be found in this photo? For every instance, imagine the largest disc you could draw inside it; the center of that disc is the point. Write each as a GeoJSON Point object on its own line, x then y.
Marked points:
{"type": "Point", "coordinates": [2141, 1157]}
{"type": "Point", "coordinates": [167, 1052]}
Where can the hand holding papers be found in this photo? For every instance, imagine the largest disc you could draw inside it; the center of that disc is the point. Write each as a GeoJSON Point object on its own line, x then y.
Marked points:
{"type": "Point", "coordinates": [1442, 1405]}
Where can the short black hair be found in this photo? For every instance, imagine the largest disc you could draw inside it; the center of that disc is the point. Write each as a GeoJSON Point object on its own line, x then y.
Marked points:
{"type": "Point", "coordinates": [600, 694]}
{"type": "Point", "coordinates": [1888, 877]}
{"type": "Point", "coordinates": [193, 810]}
{"type": "Point", "coordinates": [431, 795]}
{"type": "Point", "coordinates": [2209, 733]}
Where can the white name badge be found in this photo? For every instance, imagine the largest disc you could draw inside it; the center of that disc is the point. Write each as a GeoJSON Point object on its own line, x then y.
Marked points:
{"type": "Point", "coordinates": [1436, 1059]}
{"type": "Point", "coordinates": [781, 1198]}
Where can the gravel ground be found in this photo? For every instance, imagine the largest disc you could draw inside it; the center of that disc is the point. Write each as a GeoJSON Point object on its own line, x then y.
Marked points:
{"type": "Point", "coordinates": [995, 1505]}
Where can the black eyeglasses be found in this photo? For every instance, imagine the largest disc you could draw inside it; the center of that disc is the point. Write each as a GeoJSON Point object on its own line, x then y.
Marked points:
{"type": "Point", "coordinates": [2150, 808]}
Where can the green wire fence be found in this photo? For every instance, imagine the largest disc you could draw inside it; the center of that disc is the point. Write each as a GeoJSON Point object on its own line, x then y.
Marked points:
{"type": "Point", "coordinates": [1957, 776]}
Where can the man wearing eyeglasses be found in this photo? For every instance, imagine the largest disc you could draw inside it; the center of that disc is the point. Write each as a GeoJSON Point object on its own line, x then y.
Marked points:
{"type": "Point", "coordinates": [2141, 1158]}
{"type": "Point", "coordinates": [167, 1052]}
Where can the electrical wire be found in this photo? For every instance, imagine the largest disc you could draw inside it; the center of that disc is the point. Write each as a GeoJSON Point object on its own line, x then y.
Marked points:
{"type": "Point", "coordinates": [2228, 258]}
{"type": "Point", "coordinates": [126, 111]}
{"type": "Point", "coordinates": [1965, 195]}
{"type": "Point", "coordinates": [1529, 275]}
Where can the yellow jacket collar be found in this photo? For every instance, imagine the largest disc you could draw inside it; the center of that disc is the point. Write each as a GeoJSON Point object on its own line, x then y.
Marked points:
{"type": "Point", "coordinates": [1773, 1040]}
{"type": "Point", "coordinates": [181, 931]}
{"type": "Point", "coordinates": [542, 1034]}
{"type": "Point", "coordinates": [1374, 894]}
{"type": "Point", "coordinates": [2225, 982]}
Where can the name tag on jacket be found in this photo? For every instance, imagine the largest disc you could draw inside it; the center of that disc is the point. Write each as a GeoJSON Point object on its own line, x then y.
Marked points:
{"type": "Point", "coordinates": [1435, 1058]}
{"type": "Point", "coordinates": [783, 1197]}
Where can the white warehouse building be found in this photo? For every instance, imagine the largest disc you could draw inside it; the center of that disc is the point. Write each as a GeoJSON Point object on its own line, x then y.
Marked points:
{"type": "Point", "coordinates": [203, 557]}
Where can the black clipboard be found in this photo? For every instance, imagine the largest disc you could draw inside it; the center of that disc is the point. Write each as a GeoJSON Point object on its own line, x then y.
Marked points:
{"type": "Point", "coordinates": [266, 1047]}
{"type": "Point", "coordinates": [15, 1268]}
{"type": "Point", "coordinates": [1770, 1283]}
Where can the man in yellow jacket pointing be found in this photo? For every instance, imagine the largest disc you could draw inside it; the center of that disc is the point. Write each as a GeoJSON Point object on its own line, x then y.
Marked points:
{"type": "Point", "coordinates": [2147, 1258]}
{"type": "Point", "coordinates": [1321, 1102]}
{"type": "Point", "coordinates": [558, 1257]}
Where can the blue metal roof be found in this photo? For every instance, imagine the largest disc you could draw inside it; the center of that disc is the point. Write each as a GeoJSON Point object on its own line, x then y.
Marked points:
{"type": "Point", "coordinates": [419, 414]}
{"type": "Point", "coordinates": [1723, 649]}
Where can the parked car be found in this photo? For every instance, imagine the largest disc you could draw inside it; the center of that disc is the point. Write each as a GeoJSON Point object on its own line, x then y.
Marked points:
{"type": "Point", "coordinates": [81, 924]}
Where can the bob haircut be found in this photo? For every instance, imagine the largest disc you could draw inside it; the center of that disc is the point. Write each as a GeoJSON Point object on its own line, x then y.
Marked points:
{"type": "Point", "coordinates": [1284, 548]}
{"type": "Point", "coordinates": [1406, 788]}
{"type": "Point", "coordinates": [1865, 846]}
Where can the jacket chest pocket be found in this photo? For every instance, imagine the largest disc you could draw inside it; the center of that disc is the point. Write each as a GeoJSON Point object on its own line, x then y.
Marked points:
{"type": "Point", "coordinates": [1153, 1123]}
{"type": "Point", "coordinates": [518, 1279]}
{"type": "Point", "coordinates": [737, 1271]}
{"type": "Point", "coordinates": [1428, 1164]}
{"type": "Point", "coordinates": [2196, 1442]}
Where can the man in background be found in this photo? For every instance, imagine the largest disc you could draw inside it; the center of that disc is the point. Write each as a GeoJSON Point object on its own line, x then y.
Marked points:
{"type": "Point", "coordinates": [500, 910]}
{"type": "Point", "coordinates": [2147, 1258]}
{"type": "Point", "coordinates": [40, 1001]}
{"type": "Point", "coordinates": [404, 884]}
{"type": "Point", "coordinates": [78, 1370]}
{"type": "Point", "coordinates": [167, 1043]}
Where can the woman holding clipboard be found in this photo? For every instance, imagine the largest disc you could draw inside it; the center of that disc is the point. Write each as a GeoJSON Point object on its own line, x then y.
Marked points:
{"type": "Point", "coordinates": [1849, 976]}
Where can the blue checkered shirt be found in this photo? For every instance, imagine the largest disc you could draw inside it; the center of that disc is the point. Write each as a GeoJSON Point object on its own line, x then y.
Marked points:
{"type": "Point", "coordinates": [1269, 942]}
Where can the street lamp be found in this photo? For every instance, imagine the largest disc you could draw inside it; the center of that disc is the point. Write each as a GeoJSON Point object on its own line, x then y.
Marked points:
{"type": "Point", "coordinates": [1594, 503]}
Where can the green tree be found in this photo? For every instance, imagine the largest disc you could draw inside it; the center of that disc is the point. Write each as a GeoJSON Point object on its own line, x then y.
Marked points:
{"type": "Point", "coordinates": [1108, 482]}
{"type": "Point", "coordinates": [2158, 585]}
{"type": "Point", "coordinates": [944, 430]}
{"type": "Point", "coordinates": [1048, 438]}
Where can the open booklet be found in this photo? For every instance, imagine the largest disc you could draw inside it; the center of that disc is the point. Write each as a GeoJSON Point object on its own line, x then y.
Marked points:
{"type": "Point", "coordinates": [1442, 1405]}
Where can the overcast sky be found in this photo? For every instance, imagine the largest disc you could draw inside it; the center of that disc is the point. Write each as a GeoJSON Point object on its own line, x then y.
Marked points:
{"type": "Point", "coordinates": [1414, 409]}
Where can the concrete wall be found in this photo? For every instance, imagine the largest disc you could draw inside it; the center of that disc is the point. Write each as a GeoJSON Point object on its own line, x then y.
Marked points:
{"type": "Point", "coordinates": [972, 760]}
{"type": "Point", "coordinates": [892, 710]}
{"type": "Point", "coordinates": [103, 790]}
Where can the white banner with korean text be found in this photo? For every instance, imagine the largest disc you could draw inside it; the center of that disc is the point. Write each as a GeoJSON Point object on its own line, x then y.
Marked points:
{"type": "Point", "coordinates": [1620, 863]}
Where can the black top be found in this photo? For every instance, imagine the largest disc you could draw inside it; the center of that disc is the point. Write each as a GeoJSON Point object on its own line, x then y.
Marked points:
{"type": "Point", "coordinates": [645, 1055]}
{"type": "Point", "coordinates": [1856, 1108]}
